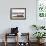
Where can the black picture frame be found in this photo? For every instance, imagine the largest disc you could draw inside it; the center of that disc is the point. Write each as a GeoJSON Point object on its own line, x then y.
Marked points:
{"type": "Point", "coordinates": [17, 13]}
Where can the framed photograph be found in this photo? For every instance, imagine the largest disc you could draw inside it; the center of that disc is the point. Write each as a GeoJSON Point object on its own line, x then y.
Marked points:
{"type": "Point", "coordinates": [18, 13]}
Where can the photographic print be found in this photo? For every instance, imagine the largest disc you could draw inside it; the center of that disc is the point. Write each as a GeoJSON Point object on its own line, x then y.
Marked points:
{"type": "Point", "coordinates": [18, 13]}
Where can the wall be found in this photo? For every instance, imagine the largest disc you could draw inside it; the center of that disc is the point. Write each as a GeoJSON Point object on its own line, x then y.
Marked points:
{"type": "Point", "coordinates": [24, 25]}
